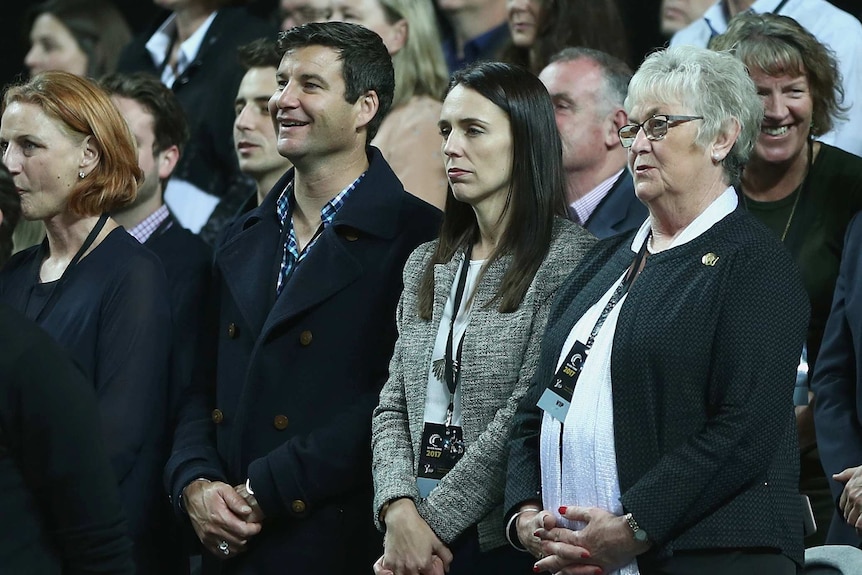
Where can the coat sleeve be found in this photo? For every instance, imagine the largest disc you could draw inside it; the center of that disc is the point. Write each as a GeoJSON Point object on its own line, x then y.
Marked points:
{"type": "Point", "coordinates": [392, 462]}
{"type": "Point", "coordinates": [133, 351]}
{"type": "Point", "coordinates": [836, 380]}
{"type": "Point", "coordinates": [62, 457]}
{"type": "Point", "coordinates": [759, 335]}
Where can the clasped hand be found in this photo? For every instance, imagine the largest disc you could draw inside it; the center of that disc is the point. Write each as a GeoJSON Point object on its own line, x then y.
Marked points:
{"type": "Point", "coordinates": [221, 513]}
{"type": "Point", "coordinates": [850, 501]}
{"type": "Point", "coordinates": [604, 544]}
{"type": "Point", "coordinates": [410, 546]}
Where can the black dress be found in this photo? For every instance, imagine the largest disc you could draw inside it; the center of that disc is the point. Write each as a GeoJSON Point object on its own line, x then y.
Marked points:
{"type": "Point", "coordinates": [58, 499]}
{"type": "Point", "coordinates": [112, 314]}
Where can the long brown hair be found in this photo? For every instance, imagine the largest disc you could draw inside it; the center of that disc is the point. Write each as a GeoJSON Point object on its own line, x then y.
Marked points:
{"type": "Point", "coordinates": [536, 191]}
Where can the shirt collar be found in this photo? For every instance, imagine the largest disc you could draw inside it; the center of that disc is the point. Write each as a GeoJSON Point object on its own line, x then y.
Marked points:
{"type": "Point", "coordinates": [160, 42]}
{"type": "Point", "coordinates": [720, 208]}
{"type": "Point", "coordinates": [583, 207]}
{"type": "Point", "coordinates": [147, 227]}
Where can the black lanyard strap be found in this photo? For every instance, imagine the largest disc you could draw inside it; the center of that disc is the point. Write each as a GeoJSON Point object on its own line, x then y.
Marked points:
{"type": "Point", "coordinates": [452, 362]}
{"type": "Point", "coordinates": [618, 294]}
{"type": "Point", "coordinates": [52, 297]}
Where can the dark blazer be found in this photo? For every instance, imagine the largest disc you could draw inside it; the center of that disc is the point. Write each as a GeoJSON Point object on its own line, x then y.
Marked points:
{"type": "Point", "coordinates": [837, 380]}
{"type": "Point", "coordinates": [187, 260]}
{"type": "Point", "coordinates": [297, 379]}
{"type": "Point", "coordinates": [703, 364]}
{"type": "Point", "coordinates": [206, 91]}
{"type": "Point", "coordinates": [619, 211]}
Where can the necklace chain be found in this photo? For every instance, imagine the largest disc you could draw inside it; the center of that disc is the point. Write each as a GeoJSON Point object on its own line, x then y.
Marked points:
{"type": "Point", "coordinates": [797, 191]}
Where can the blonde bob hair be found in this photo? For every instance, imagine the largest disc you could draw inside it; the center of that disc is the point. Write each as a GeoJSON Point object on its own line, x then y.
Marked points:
{"type": "Point", "coordinates": [420, 69]}
{"type": "Point", "coordinates": [84, 109]}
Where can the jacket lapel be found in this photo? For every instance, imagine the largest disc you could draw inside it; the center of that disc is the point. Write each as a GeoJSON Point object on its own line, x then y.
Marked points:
{"type": "Point", "coordinates": [247, 262]}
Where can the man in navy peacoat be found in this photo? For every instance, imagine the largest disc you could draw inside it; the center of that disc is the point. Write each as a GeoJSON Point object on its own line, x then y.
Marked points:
{"type": "Point", "coordinates": [272, 463]}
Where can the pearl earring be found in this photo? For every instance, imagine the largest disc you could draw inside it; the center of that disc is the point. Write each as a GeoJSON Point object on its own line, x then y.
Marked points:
{"type": "Point", "coordinates": [81, 175]}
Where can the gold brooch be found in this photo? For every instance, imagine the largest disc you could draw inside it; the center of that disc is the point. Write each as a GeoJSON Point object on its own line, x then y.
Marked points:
{"type": "Point", "coordinates": [709, 259]}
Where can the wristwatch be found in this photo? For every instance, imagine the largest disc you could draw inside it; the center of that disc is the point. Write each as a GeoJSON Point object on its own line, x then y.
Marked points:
{"type": "Point", "coordinates": [639, 534]}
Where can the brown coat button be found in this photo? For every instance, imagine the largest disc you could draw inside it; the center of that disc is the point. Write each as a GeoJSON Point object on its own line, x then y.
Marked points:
{"type": "Point", "coordinates": [232, 330]}
{"type": "Point", "coordinates": [280, 422]}
{"type": "Point", "coordinates": [305, 337]}
{"type": "Point", "coordinates": [217, 416]}
{"type": "Point", "coordinates": [298, 506]}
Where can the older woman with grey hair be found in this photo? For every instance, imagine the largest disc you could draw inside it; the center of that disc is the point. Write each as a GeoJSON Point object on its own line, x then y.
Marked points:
{"type": "Point", "coordinates": [655, 437]}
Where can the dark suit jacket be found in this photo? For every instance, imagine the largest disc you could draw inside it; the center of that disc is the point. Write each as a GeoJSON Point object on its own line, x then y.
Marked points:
{"type": "Point", "coordinates": [619, 211]}
{"type": "Point", "coordinates": [837, 380]}
{"type": "Point", "coordinates": [206, 91]}
{"type": "Point", "coordinates": [703, 364]}
{"type": "Point", "coordinates": [187, 260]}
{"type": "Point", "coordinates": [298, 379]}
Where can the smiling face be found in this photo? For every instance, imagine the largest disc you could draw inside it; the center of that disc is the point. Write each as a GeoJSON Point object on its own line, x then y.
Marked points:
{"type": "Point", "coordinates": [477, 145]}
{"type": "Point", "coordinates": [672, 166]}
{"type": "Point", "coordinates": [253, 131]}
{"type": "Point", "coordinates": [52, 47]}
{"type": "Point", "coordinates": [43, 158]}
{"type": "Point", "coordinates": [788, 109]}
{"type": "Point", "coordinates": [312, 118]}
{"type": "Point", "coordinates": [523, 18]}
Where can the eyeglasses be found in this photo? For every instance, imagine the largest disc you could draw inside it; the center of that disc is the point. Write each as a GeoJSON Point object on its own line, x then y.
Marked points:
{"type": "Point", "coordinates": [654, 127]}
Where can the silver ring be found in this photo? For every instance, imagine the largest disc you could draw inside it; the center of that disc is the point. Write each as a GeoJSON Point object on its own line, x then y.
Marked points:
{"type": "Point", "coordinates": [224, 548]}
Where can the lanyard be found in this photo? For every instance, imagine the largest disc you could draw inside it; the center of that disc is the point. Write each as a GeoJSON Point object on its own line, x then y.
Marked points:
{"type": "Point", "coordinates": [618, 294]}
{"type": "Point", "coordinates": [453, 364]}
{"type": "Point", "coordinates": [52, 297]}
{"type": "Point", "coordinates": [561, 388]}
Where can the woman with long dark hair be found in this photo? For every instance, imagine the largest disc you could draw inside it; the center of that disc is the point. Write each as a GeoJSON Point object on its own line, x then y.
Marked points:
{"type": "Point", "coordinates": [474, 306]}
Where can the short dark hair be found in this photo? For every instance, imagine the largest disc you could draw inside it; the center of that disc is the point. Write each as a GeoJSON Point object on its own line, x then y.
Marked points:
{"type": "Point", "coordinates": [10, 206]}
{"type": "Point", "coordinates": [366, 64]}
{"type": "Point", "coordinates": [261, 53]}
{"type": "Point", "coordinates": [169, 120]}
{"type": "Point", "coordinates": [537, 188]}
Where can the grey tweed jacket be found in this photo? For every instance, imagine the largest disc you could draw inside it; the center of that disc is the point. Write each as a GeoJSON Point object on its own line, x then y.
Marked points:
{"type": "Point", "coordinates": [499, 356]}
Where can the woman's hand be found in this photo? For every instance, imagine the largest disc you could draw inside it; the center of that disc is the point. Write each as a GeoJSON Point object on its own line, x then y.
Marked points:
{"type": "Point", "coordinates": [410, 546]}
{"type": "Point", "coordinates": [528, 523]}
{"type": "Point", "coordinates": [604, 544]}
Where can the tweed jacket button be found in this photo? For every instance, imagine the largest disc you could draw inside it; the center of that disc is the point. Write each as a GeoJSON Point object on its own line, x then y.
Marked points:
{"type": "Point", "coordinates": [217, 416]}
{"type": "Point", "coordinates": [298, 506]}
{"type": "Point", "coordinates": [232, 330]}
{"type": "Point", "coordinates": [305, 337]}
{"type": "Point", "coordinates": [280, 422]}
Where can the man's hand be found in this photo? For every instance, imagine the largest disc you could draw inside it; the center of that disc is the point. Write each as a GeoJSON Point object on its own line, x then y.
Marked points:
{"type": "Point", "coordinates": [256, 515]}
{"type": "Point", "coordinates": [219, 516]}
{"type": "Point", "coordinates": [850, 501]}
{"type": "Point", "coordinates": [410, 546]}
{"type": "Point", "coordinates": [603, 545]}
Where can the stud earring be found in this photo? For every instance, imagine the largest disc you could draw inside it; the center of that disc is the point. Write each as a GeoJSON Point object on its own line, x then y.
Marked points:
{"type": "Point", "coordinates": [81, 175]}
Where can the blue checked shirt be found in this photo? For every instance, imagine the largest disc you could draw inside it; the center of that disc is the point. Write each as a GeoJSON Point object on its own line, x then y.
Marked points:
{"type": "Point", "coordinates": [291, 256]}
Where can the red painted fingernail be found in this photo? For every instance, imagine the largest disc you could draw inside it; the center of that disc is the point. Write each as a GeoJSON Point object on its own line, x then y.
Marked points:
{"type": "Point", "coordinates": [585, 555]}
{"type": "Point", "coordinates": [535, 568]}
{"type": "Point", "coordinates": [563, 510]}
